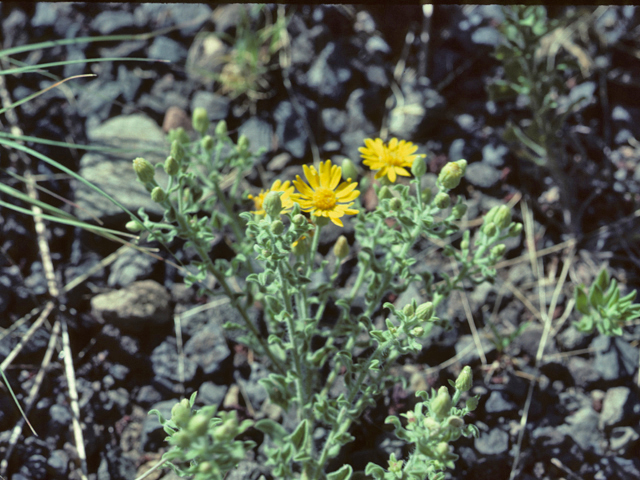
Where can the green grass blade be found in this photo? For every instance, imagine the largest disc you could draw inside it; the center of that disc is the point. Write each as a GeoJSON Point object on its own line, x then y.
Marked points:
{"type": "Point", "coordinates": [31, 68]}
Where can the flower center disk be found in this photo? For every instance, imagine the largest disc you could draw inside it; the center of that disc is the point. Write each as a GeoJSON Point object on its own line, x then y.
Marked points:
{"type": "Point", "coordinates": [324, 198]}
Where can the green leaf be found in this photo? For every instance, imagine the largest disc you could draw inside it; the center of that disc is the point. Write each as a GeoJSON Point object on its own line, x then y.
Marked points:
{"type": "Point", "coordinates": [582, 302]}
{"type": "Point", "coordinates": [299, 436]}
{"type": "Point", "coordinates": [273, 429]}
{"type": "Point", "coordinates": [343, 473]}
{"type": "Point", "coordinates": [376, 471]}
{"type": "Point", "coordinates": [595, 296]}
{"type": "Point", "coordinates": [602, 280]}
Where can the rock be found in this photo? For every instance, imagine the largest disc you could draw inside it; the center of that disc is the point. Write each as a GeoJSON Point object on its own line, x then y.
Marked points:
{"type": "Point", "coordinates": [167, 369]}
{"type": "Point", "coordinates": [334, 120]}
{"type": "Point", "coordinates": [482, 175]}
{"type": "Point", "coordinates": [74, 68]}
{"type": "Point", "coordinates": [134, 308]}
{"type": "Point", "coordinates": [112, 21]}
{"type": "Point", "coordinates": [616, 408]}
{"type": "Point", "coordinates": [217, 106]}
{"type": "Point", "coordinates": [614, 358]}
{"type": "Point", "coordinates": [190, 17]}
{"type": "Point", "coordinates": [583, 372]}
{"type": "Point", "coordinates": [226, 17]}
{"type": "Point", "coordinates": [130, 266]}
{"type": "Point", "coordinates": [167, 49]}
{"type": "Point", "coordinates": [376, 46]}
{"type": "Point", "coordinates": [329, 75]}
{"type": "Point", "coordinates": [129, 83]}
{"type": "Point", "coordinates": [498, 404]}
{"type": "Point", "coordinates": [622, 439]}
{"type": "Point", "coordinates": [486, 36]}
{"type": "Point", "coordinates": [208, 349]}
{"type": "Point", "coordinates": [260, 134]}
{"type": "Point", "coordinates": [58, 464]}
{"type": "Point", "coordinates": [211, 394]}
{"type": "Point", "coordinates": [290, 130]}
{"type": "Point", "coordinates": [147, 396]}
{"type": "Point", "coordinates": [467, 345]}
{"type": "Point", "coordinates": [496, 442]}
{"type": "Point", "coordinates": [456, 150]}
{"type": "Point", "coordinates": [46, 14]}
{"type": "Point", "coordinates": [97, 98]}
{"type": "Point", "coordinates": [582, 427]}
{"type": "Point", "coordinates": [205, 58]}
{"type": "Point", "coordinates": [153, 435]}
{"type": "Point", "coordinates": [174, 118]}
{"type": "Point", "coordinates": [493, 155]}
{"type": "Point", "coordinates": [626, 468]}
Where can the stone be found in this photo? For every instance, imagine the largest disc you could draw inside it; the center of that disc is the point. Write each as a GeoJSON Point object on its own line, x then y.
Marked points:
{"type": "Point", "coordinates": [616, 408]}
{"type": "Point", "coordinates": [496, 442]}
{"type": "Point", "coordinates": [497, 403]}
{"type": "Point", "coordinates": [217, 106]}
{"type": "Point", "coordinates": [482, 175]}
{"type": "Point", "coordinates": [493, 155]}
{"type": "Point", "coordinates": [208, 349]}
{"type": "Point", "coordinates": [142, 304]}
{"type": "Point", "coordinates": [109, 22]}
{"type": "Point", "coordinates": [169, 374]}
{"type": "Point", "coordinates": [260, 134]}
{"type": "Point", "coordinates": [329, 74]}
{"type": "Point", "coordinates": [167, 49]}
{"type": "Point", "coordinates": [582, 427]}
{"type": "Point", "coordinates": [130, 266]}
{"type": "Point", "coordinates": [290, 130]}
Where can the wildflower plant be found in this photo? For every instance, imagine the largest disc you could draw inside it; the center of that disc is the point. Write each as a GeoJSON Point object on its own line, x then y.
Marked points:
{"type": "Point", "coordinates": [326, 369]}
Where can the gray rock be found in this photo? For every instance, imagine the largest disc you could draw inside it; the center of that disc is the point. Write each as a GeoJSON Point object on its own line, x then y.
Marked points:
{"type": "Point", "coordinates": [259, 132]}
{"type": "Point", "coordinates": [217, 106]}
{"type": "Point", "coordinates": [140, 305]}
{"type": "Point", "coordinates": [614, 358]}
{"type": "Point", "coordinates": [465, 121]}
{"type": "Point", "coordinates": [328, 75]}
{"type": "Point", "coordinates": [620, 114]}
{"type": "Point", "coordinates": [495, 442]}
{"type": "Point", "coordinates": [582, 371]}
{"type": "Point", "coordinates": [208, 348]}
{"type": "Point", "coordinates": [466, 344]}
{"type": "Point", "coordinates": [456, 150]}
{"type": "Point", "coordinates": [111, 21]}
{"type": "Point", "coordinates": [136, 135]}
{"type": "Point", "coordinates": [582, 427]}
{"type": "Point", "coordinates": [616, 408]}
{"type": "Point", "coordinates": [147, 396]}
{"type": "Point", "coordinates": [626, 468]}
{"type": "Point", "coordinates": [334, 120]}
{"type": "Point", "coordinates": [486, 36]}
{"type": "Point", "coordinates": [167, 49]}
{"type": "Point", "coordinates": [211, 394]}
{"type": "Point", "coordinates": [132, 265]}
{"type": "Point", "coordinates": [46, 14]}
{"type": "Point", "coordinates": [482, 175]}
{"type": "Point", "coordinates": [376, 45]}
{"type": "Point", "coordinates": [74, 68]}
{"type": "Point", "coordinates": [97, 98]}
{"type": "Point", "coordinates": [622, 439]}
{"type": "Point", "coordinates": [59, 418]}
{"type": "Point", "coordinates": [189, 16]}
{"type": "Point", "coordinates": [548, 436]}
{"type": "Point", "coordinates": [497, 403]}
{"type": "Point", "coordinates": [58, 462]}
{"type": "Point", "coordinates": [169, 369]}
{"type": "Point", "coordinates": [290, 130]}
{"type": "Point", "coordinates": [494, 155]}
{"type": "Point", "coordinates": [129, 83]}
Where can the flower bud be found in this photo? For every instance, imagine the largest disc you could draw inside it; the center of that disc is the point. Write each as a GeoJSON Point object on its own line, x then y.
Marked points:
{"type": "Point", "coordinates": [349, 171]}
{"type": "Point", "coordinates": [408, 310]}
{"type": "Point", "coordinates": [171, 166]}
{"type": "Point", "coordinates": [177, 151]}
{"type": "Point", "coordinates": [459, 210]}
{"type": "Point", "coordinates": [455, 422]}
{"type": "Point", "coordinates": [243, 143]}
{"type": "Point", "coordinates": [272, 204]}
{"type": "Point", "coordinates": [442, 200]}
{"type": "Point", "coordinates": [181, 413]}
{"type": "Point", "coordinates": [180, 135]}
{"type": "Point", "coordinates": [442, 448]}
{"type": "Point", "coordinates": [452, 173]}
{"type": "Point", "coordinates": [502, 217]}
{"type": "Point", "coordinates": [490, 229]}
{"type": "Point", "coordinates": [498, 250]}
{"type": "Point", "coordinates": [221, 129]}
{"type": "Point", "coordinates": [133, 226]}
{"type": "Point", "coordinates": [441, 404]}
{"type": "Point", "coordinates": [515, 229]}
{"type": "Point", "coordinates": [464, 382]}
{"type": "Point", "coordinates": [299, 220]}
{"type": "Point", "coordinates": [200, 120]}
{"type": "Point", "coordinates": [341, 247]}
{"type": "Point", "coordinates": [207, 143]}
{"type": "Point", "coordinates": [228, 429]}
{"type": "Point", "coordinates": [277, 227]}
{"type": "Point", "coordinates": [395, 204]}
{"type": "Point", "coordinates": [419, 166]}
{"type": "Point", "coordinates": [144, 170]}
{"type": "Point", "coordinates": [464, 244]}
{"type": "Point", "coordinates": [472, 403]}
{"type": "Point", "coordinates": [417, 332]}
{"type": "Point", "coordinates": [430, 424]}
{"type": "Point", "coordinates": [199, 424]}
{"type": "Point", "coordinates": [384, 192]}
{"type": "Point", "coordinates": [182, 439]}
{"type": "Point", "coordinates": [425, 312]}
{"type": "Point", "coordinates": [158, 195]}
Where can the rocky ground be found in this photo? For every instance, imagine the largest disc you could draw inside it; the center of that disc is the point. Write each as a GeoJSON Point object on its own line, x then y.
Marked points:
{"type": "Point", "coordinates": [582, 419]}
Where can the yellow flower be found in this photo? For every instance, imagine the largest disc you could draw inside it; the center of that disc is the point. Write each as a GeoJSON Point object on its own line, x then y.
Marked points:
{"type": "Point", "coordinates": [391, 160]}
{"type": "Point", "coordinates": [287, 190]}
{"type": "Point", "coordinates": [321, 197]}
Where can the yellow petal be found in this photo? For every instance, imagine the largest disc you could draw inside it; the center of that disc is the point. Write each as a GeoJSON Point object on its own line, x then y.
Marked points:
{"type": "Point", "coordinates": [312, 176]}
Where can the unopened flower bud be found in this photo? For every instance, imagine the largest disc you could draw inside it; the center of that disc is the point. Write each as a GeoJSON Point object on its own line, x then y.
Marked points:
{"type": "Point", "coordinates": [459, 210]}
{"type": "Point", "coordinates": [417, 331]}
{"type": "Point", "coordinates": [384, 192]}
{"type": "Point", "coordinates": [158, 195]}
{"type": "Point", "coordinates": [221, 129]}
{"type": "Point", "coordinates": [299, 220]}
{"type": "Point", "coordinates": [442, 448]}
{"type": "Point", "coordinates": [171, 166]}
{"type": "Point", "coordinates": [464, 244]}
{"type": "Point", "coordinates": [207, 143]}
{"type": "Point", "coordinates": [490, 229]}
{"type": "Point", "coordinates": [472, 403]}
{"type": "Point", "coordinates": [341, 247]}
{"type": "Point", "coordinates": [408, 310]}
{"type": "Point", "coordinates": [349, 171]}
{"type": "Point", "coordinates": [228, 429]}
{"type": "Point", "coordinates": [177, 151]}
{"type": "Point", "coordinates": [181, 413]}
{"type": "Point", "coordinates": [181, 439]}
{"type": "Point", "coordinates": [502, 217]}
{"type": "Point", "coordinates": [199, 424]}
{"type": "Point", "coordinates": [395, 204]}
{"type": "Point", "coordinates": [243, 143]}
{"type": "Point", "coordinates": [455, 422]}
{"type": "Point", "coordinates": [515, 229]}
{"type": "Point", "coordinates": [442, 200]}
{"type": "Point", "coordinates": [272, 204]}
{"type": "Point", "coordinates": [418, 167]}
{"type": "Point", "coordinates": [200, 120]}
{"type": "Point", "coordinates": [277, 227]}
{"type": "Point", "coordinates": [464, 382]}
{"type": "Point", "coordinates": [452, 173]}
{"type": "Point", "coordinates": [498, 250]}
{"type": "Point", "coordinates": [441, 404]}
{"type": "Point", "coordinates": [425, 312]}
{"type": "Point", "coordinates": [133, 226]}
{"type": "Point", "coordinates": [144, 170]}
{"type": "Point", "coordinates": [431, 424]}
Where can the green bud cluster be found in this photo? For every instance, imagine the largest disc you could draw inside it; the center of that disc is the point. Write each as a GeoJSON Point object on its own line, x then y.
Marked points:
{"type": "Point", "coordinates": [200, 120]}
{"type": "Point", "coordinates": [451, 174]}
{"type": "Point", "coordinates": [144, 170]}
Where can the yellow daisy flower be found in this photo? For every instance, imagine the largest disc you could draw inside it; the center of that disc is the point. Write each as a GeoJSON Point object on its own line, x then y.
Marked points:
{"type": "Point", "coordinates": [390, 160]}
{"type": "Point", "coordinates": [287, 190]}
{"type": "Point", "coordinates": [321, 197]}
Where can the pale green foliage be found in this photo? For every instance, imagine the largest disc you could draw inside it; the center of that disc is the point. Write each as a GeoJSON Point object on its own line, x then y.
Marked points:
{"type": "Point", "coordinates": [603, 308]}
